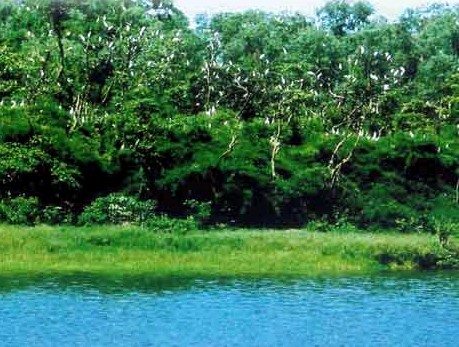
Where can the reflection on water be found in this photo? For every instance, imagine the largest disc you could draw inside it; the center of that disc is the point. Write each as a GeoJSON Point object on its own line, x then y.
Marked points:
{"type": "Point", "coordinates": [387, 310]}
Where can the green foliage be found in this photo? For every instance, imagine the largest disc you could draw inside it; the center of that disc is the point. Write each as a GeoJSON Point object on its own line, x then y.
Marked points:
{"type": "Point", "coordinates": [340, 17]}
{"type": "Point", "coordinates": [165, 224]}
{"type": "Point", "coordinates": [15, 126]}
{"type": "Point", "coordinates": [389, 214]}
{"type": "Point", "coordinates": [255, 119]}
{"type": "Point", "coordinates": [11, 72]}
{"type": "Point", "coordinates": [401, 183]}
{"type": "Point", "coordinates": [117, 209]}
{"type": "Point", "coordinates": [54, 215]}
{"type": "Point", "coordinates": [200, 211]}
{"type": "Point", "coordinates": [20, 210]}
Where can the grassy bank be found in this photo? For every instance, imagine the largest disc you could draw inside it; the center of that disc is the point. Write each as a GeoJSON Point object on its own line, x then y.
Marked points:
{"type": "Point", "coordinates": [133, 251]}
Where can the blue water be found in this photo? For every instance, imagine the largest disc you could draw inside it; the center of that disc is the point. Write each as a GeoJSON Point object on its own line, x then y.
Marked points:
{"type": "Point", "coordinates": [416, 310]}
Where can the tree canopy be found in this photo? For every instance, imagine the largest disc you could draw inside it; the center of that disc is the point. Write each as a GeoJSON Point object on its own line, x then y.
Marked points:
{"type": "Point", "coordinates": [267, 119]}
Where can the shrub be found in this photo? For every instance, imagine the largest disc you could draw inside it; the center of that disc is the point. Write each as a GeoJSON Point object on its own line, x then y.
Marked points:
{"type": "Point", "coordinates": [387, 214]}
{"type": "Point", "coordinates": [56, 215]}
{"type": "Point", "coordinates": [20, 210]}
{"type": "Point", "coordinates": [117, 209]}
{"type": "Point", "coordinates": [200, 211]}
{"type": "Point", "coordinates": [165, 224]}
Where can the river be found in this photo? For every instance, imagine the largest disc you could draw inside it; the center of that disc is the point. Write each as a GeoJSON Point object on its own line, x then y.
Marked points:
{"type": "Point", "coordinates": [415, 309]}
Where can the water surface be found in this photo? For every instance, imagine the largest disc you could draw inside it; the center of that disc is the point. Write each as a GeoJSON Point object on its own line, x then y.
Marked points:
{"type": "Point", "coordinates": [387, 310]}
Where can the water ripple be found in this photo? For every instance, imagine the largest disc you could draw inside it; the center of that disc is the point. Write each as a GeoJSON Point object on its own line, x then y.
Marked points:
{"type": "Point", "coordinates": [408, 310]}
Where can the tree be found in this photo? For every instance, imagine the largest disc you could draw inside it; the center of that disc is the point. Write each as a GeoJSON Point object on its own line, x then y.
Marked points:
{"type": "Point", "coordinates": [341, 18]}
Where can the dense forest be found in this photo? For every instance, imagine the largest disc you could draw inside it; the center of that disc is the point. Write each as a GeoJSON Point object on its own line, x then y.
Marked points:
{"type": "Point", "coordinates": [116, 111]}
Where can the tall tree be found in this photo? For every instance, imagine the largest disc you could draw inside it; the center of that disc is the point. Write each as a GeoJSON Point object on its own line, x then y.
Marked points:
{"type": "Point", "coordinates": [342, 18]}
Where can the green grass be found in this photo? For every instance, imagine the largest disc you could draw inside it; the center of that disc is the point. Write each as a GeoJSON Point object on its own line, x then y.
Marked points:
{"type": "Point", "coordinates": [135, 251]}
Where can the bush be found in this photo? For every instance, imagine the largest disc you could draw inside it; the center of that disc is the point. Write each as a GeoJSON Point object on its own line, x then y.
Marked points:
{"type": "Point", "coordinates": [200, 211]}
{"type": "Point", "coordinates": [165, 224]}
{"type": "Point", "coordinates": [117, 209]}
{"type": "Point", "coordinates": [387, 214]}
{"type": "Point", "coordinates": [56, 215]}
{"type": "Point", "coordinates": [20, 210]}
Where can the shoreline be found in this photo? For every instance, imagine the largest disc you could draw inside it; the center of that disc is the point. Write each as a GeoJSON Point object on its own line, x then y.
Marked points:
{"type": "Point", "coordinates": [132, 251]}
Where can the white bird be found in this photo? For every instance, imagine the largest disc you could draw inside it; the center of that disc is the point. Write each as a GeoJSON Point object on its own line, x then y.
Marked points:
{"type": "Point", "coordinates": [375, 136]}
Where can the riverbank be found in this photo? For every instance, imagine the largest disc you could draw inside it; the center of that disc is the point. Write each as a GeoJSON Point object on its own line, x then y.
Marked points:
{"type": "Point", "coordinates": [233, 253]}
